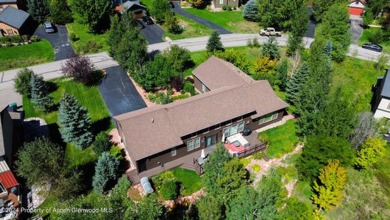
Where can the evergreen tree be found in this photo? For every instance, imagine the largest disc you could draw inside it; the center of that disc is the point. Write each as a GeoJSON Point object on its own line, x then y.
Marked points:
{"type": "Point", "coordinates": [23, 82]}
{"type": "Point", "coordinates": [250, 11]}
{"type": "Point", "coordinates": [299, 27]}
{"type": "Point", "coordinates": [270, 191]}
{"type": "Point", "coordinates": [214, 43]}
{"type": "Point", "coordinates": [105, 172]}
{"type": "Point", "coordinates": [173, 24]}
{"type": "Point", "coordinates": [241, 208]}
{"type": "Point", "coordinates": [60, 12]}
{"type": "Point", "coordinates": [38, 9]}
{"type": "Point", "coordinates": [322, 6]}
{"type": "Point", "coordinates": [160, 10]}
{"type": "Point", "coordinates": [281, 74]}
{"type": "Point", "coordinates": [40, 93]}
{"type": "Point", "coordinates": [328, 49]}
{"type": "Point", "coordinates": [271, 49]}
{"type": "Point", "coordinates": [75, 122]}
{"type": "Point", "coordinates": [330, 185]}
{"type": "Point", "coordinates": [295, 84]}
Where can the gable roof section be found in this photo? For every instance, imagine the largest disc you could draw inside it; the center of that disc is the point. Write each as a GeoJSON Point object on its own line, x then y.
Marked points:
{"type": "Point", "coordinates": [386, 85]}
{"type": "Point", "coordinates": [216, 73]}
{"type": "Point", "coordinates": [13, 17]}
{"type": "Point", "coordinates": [159, 128]}
{"type": "Point", "coordinates": [130, 4]}
{"type": "Point", "coordinates": [8, 1]}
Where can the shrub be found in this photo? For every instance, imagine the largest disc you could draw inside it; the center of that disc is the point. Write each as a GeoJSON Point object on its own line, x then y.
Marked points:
{"type": "Point", "coordinates": [264, 138]}
{"type": "Point", "coordinates": [255, 42]}
{"type": "Point", "coordinates": [169, 189]}
{"type": "Point", "coordinates": [259, 155]}
{"type": "Point", "coordinates": [256, 168]}
{"type": "Point", "coordinates": [81, 68]}
{"type": "Point", "coordinates": [189, 87]}
{"type": "Point", "coordinates": [16, 39]}
{"type": "Point", "coordinates": [22, 82]}
{"type": "Point", "coordinates": [90, 47]}
{"type": "Point", "coordinates": [35, 38]}
{"type": "Point", "coordinates": [101, 143]}
{"type": "Point", "coordinates": [25, 38]}
{"type": "Point", "coordinates": [116, 151]}
{"type": "Point", "coordinates": [376, 36]}
{"type": "Point", "coordinates": [73, 37]}
{"type": "Point", "coordinates": [229, 8]}
{"type": "Point", "coordinates": [382, 61]}
{"type": "Point", "coordinates": [181, 96]}
{"type": "Point", "coordinates": [159, 179]}
{"type": "Point", "coordinates": [234, 8]}
{"type": "Point", "coordinates": [161, 97]}
{"type": "Point", "coordinates": [172, 24]}
{"type": "Point", "coordinates": [224, 7]}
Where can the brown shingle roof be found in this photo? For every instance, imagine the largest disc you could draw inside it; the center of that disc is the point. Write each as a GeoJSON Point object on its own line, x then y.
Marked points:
{"type": "Point", "coordinates": [216, 73]}
{"type": "Point", "coordinates": [153, 130]}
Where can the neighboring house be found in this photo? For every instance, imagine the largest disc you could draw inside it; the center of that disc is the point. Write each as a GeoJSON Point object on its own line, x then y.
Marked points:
{"type": "Point", "coordinates": [5, 3]}
{"type": "Point", "coordinates": [134, 6]}
{"type": "Point", "coordinates": [221, 3]}
{"type": "Point", "coordinates": [14, 22]}
{"type": "Point", "coordinates": [381, 100]}
{"type": "Point", "coordinates": [168, 134]}
{"type": "Point", "coordinates": [10, 140]}
{"type": "Point", "coordinates": [356, 7]}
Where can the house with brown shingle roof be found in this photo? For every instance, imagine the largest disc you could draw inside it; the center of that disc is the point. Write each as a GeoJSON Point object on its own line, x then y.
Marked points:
{"type": "Point", "coordinates": [164, 134]}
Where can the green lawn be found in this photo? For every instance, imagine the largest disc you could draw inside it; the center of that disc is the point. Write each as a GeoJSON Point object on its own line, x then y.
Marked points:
{"type": "Point", "coordinates": [369, 31]}
{"type": "Point", "coordinates": [190, 181]}
{"type": "Point", "coordinates": [356, 78]}
{"type": "Point", "coordinates": [282, 139]}
{"type": "Point", "coordinates": [191, 29]}
{"type": "Point", "coordinates": [25, 55]}
{"type": "Point", "coordinates": [87, 42]}
{"type": "Point", "coordinates": [230, 20]}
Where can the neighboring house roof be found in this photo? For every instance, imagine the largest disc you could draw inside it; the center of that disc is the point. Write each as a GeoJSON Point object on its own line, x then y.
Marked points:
{"type": "Point", "coordinates": [8, 1]}
{"type": "Point", "coordinates": [386, 85]}
{"type": "Point", "coordinates": [130, 4]}
{"type": "Point", "coordinates": [3, 165]}
{"type": "Point", "coordinates": [158, 128]}
{"type": "Point", "coordinates": [358, 1]}
{"type": "Point", "coordinates": [216, 73]}
{"type": "Point", "coordinates": [8, 180]}
{"type": "Point", "coordinates": [13, 17]}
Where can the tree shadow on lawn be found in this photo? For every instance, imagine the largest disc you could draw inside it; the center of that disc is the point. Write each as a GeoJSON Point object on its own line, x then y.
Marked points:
{"type": "Point", "coordinates": [55, 135]}
{"type": "Point", "coordinates": [87, 172]}
{"type": "Point", "coordinates": [101, 125]}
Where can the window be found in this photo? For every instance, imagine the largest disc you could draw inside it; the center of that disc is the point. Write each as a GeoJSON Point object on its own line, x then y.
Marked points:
{"type": "Point", "coordinates": [173, 151]}
{"type": "Point", "coordinates": [233, 129]}
{"type": "Point", "coordinates": [268, 118]}
{"type": "Point", "coordinates": [388, 106]}
{"type": "Point", "coordinates": [197, 143]}
{"type": "Point", "coordinates": [190, 145]}
{"type": "Point", "coordinates": [221, 2]}
{"type": "Point", "coordinates": [10, 32]}
{"type": "Point", "coordinates": [226, 132]}
{"type": "Point", "coordinates": [240, 126]}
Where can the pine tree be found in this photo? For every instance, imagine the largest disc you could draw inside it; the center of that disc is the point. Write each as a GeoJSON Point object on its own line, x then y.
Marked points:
{"type": "Point", "coordinates": [214, 43]}
{"type": "Point", "coordinates": [105, 172]}
{"type": "Point", "coordinates": [250, 11]}
{"type": "Point", "coordinates": [271, 49]}
{"type": "Point", "coordinates": [38, 9]}
{"type": "Point", "coordinates": [294, 85]}
{"type": "Point", "coordinates": [75, 122]}
{"type": "Point", "coordinates": [40, 93]}
{"type": "Point", "coordinates": [328, 49]}
{"type": "Point", "coordinates": [331, 183]}
{"type": "Point", "coordinates": [299, 27]}
{"type": "Point", "coordinates": [281, 74]}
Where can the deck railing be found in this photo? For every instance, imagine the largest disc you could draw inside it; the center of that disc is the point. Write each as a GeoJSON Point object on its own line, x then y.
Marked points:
{"type": "Point", "coordinates": [251, 150]}
{"type": "Point", "coordinates": [198, 168]}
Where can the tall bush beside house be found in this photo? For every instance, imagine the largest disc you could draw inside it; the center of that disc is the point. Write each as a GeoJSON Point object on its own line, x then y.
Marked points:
{"type": "Point", "coordinates": [75, 123]}
{"type": "Point", "coordinates": [101, 143]}
{"type": "Point", "coordinates": [40, 93]}
{"type": "Point", "coordinates": [23, 82]}
{"type": "Point", "coordinates": [105, 172]}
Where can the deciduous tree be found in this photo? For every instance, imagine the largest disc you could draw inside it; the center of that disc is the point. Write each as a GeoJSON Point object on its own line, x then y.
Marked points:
{"type": "Point", "coordinates": [214, 43]}
{"type": "Point", "coordinates": [364, 128]}
{"type": "Point", "coordinates": [295, 209]}
{"type": "Point", "coordinates": [371, 151]}
{"type": "Point", "coordinates": [94, 13]}
{"type": "Point", "coordinates": [322, 6]}
{"type": "Point", "coordinates": [75, 123]}
{"type": "Point", "coordinates": [160, 10]}
{"type": "Point", "coordinates": [23, 82]}
{"type": "Point", "coordinates": [105, 172]}
{"type": "Point", "coordinates": [236, 57]}
{"type": "Point", "coordinates": [38, 9]}
{"type": "Point", "coordinates": [60, 12]}
{"type": "Point", "coordinates": [245, 205]}
{"type": "Point", "coordinates": [80, 68]}
{"type": "Point", "coordinates": [329, 187]}
{"type": "Point", "coordinates": [299, 27]}
{"type": "Point", "coordinates": [211, 207]}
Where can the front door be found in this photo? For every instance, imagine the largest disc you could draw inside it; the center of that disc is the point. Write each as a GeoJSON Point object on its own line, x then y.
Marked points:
{"type": "Point", "coordinates": [211, 140]}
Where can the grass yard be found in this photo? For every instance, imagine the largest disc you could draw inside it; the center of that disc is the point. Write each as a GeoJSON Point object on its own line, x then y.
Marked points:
{"type": "Point", "coordinates": [356, 78]}
{"type": "Point", "coordinates": [368, 32]}
{"type": "Point", "coordinates": [282, 139]}
{"type": "Point", "coordinates": [191, 29]}
{"type": "Point", "coordinates": [189, 180]}
{"type": "Point", "coordinates": [87, 42]}
{"type": "Point", "coordinates": [229, 20]}
{"type": "Point", "coordinates": [25, 55]}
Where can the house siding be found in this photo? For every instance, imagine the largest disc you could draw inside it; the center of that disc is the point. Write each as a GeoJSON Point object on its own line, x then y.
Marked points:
{"type": "Point", "coordinates": [165, 156]}
{"type": "Point", "coordinates": [221, 3]}
{"type": "Point", "coordinates": [198, 85]}
{"type": "Point", "coordinates": [383, 110]}
{"type": "Point", "coordinates": [4, 29]}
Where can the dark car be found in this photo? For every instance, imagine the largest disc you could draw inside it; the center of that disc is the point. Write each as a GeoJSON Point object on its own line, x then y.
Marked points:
{"type": "Point", "coordinates": [49, 27]}
{"type": "Point", "coordinates": [374, 47]}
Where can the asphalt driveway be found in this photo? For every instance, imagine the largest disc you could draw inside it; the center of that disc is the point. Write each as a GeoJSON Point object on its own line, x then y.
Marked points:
{"type": "Point", "coordinates": [177, 9]}
{"type": "Point", "coordinates": [152, 32]}
{"type": "Point", "coordinates": [312, 25]}
{"type": "Point", "coordinates": [356, 29]}
{"type": "Point", "coordinates": [119, 92]}
{"type": "Point", "coordinates": [58, 40]}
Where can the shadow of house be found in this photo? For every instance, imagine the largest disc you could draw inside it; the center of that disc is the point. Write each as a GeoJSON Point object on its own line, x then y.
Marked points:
{"type": "Point", "coordinates": [15, 22]}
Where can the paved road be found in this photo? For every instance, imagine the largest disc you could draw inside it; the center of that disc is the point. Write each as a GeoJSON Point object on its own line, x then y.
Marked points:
{"type": "Point", "coordinates": [102, 60]}
{"type": "Point", "coordinates": [356, 29]}
{"type": "Point", "coordinates": [152, 33]}
{"type": "Point", "coordinates": [58, 40]}
{"type": "Point", "coordinates": [119, 93]}
{"type": "Point", "coordinates": [48, 71]}
{"type": "Point", "coordinates": [177, 9]}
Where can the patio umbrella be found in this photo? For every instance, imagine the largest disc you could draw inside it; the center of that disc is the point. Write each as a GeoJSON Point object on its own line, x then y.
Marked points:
{"type": "Point", "coordinates": [203, 155]}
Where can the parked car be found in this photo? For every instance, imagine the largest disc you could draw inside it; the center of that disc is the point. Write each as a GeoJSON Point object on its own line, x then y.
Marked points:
{"type": "Point", "coordinates": [371, 46]}
{"type": "Point", "coordinates": [270, 31]}
{"type": "Point", "coordinates": [49, 27]}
